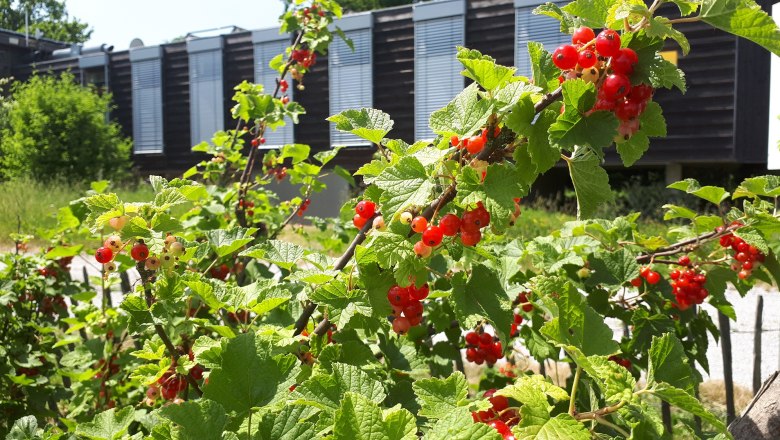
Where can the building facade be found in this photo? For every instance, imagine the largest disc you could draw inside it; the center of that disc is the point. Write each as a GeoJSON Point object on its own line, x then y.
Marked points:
{"type": "Point", "coordinates": [173, 96]}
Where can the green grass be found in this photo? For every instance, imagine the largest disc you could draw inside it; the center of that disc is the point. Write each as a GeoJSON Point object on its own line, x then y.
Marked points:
{"type": "Point", "coordinates": [30, 207]}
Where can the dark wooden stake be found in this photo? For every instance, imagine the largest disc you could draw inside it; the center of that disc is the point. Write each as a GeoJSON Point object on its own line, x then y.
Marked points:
{"type": "Point", "coordinates": [725, 347]}
{"type": "Point", "coordinates": [757, 345]}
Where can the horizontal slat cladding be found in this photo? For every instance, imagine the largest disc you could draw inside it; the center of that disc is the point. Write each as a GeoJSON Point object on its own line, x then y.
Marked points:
{"type": "Point", "coordinates": [238, 56]}
{"type": "Point", "coordinates": [394, 69]}
{"type": "Point", "coordinates": [54, 67]}
{"type": "Point", "coordinates": [120, 84]}
{"type": "Point", "coordinates": [313, 128]}
{"type": "Point", "coordinates": [489, 25]}
{"type": "Point", "coordinates": [700, 123]}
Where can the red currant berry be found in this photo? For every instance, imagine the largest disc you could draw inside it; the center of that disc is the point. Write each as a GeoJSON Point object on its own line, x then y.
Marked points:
{"type": "Point", "coordinates": [641, 92]}
{"type": "Point", "coordinates": [565, 57]}
{"type": "Point", "coordinates": [500, 426]}
{"type": "Point", "coordinates": [624, 61]}
{"type": "Point", "coordinates": [472, 338]}
{"type": "Point", "coordinates": [684, 260]}
{"type": "Point", "coordinates": [743, 274]}
{"type": "Point", "coordinates": [741, 257]}
{"type": "Point", "coordinates": [615, 87]}
{"type": "Point", "coordinates": [583, 35]}
{"type": "Point", "coordinates": [413, 310]}
{"type": "Point", "coordinates": [419, 294]}
{"type": "Point", "coordinates": [255, 142]}
{"type": "Point", "coordinates": [486, 339]}
{"type": "Point", "coordinates": [285, 99]}
{"type": "Point", "coordinates": [432, 236]}
{"type": "Point", "coordinates": [104, 255]}
{"type": "Point", "coordinates": [475, 144]}
{"type": "Point", "coordinates": [587, 59]}
{"type": "Point", "coordinates": [627, 109]}
{"type": "Point", "coordinates": [139, 252]}
{"type": "Point", "coordinates": [359, 221]}
{"type": "Point", "coordinates": [747, 265]}
{"type": "Point", "coordinates": [454, 141]}
{"type": "Point", "coordinates": [449, 224]}
{"type": "Point", "coordinates": [401, 325]}
{"type": "Point", "coordinates": [608, 43]}
{"type": "Point", "coordinates": [419, 224]}
{"type": "Point", "coordinates": [653, 277]}
{"type": "Point", "coordinates": [365, 208]}
{"type": "Point", "coordinates": [422, 250]}
{"type": "Point", "coordinates": [636, 282]}
{"type": "Point", "coordinates": [470, 238]}
{"type": "Point", "coordinates": [398, 296]}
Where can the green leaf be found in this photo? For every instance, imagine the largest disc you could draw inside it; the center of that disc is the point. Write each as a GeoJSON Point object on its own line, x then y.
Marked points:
{"type": "Point", "coordinates": [744, 18]}
{"type": "Point", "coordinates": [102, 202]}
{"type": "Point", "coordinates": [108, 425]}
{"type": "Point", "coordinates": [652, 68]}
{"type": "Point", "coordinates": [296, 152]}
{"type": "Point", "coordinates": [462, 116]}
{"type": "Point", "coordinates": [683, 400]}
{"type": "Point", "coordinates": [533, 389]}
{"type": "Point", "coordinates": [63, 251]}
{"type": "Point", "coordinates": [712, 194]}
{"type": "Point", "coordinates": [593, 13]}
{"type": "Point", "coordinates": [767, 186]}
{"type": "Point", "coordinates": [661, 27]}
{"type": "Point", "coordinates": [545, 73]}
{"type": "Point", "coordinates": [197, 419]}
{"type": "Point", "coordinates": [458, 425]}
{"type": "Point", "coordinates": [616, 383]}
{"type": "Point", "coordinates": [502, 185]}
{"type": "Point", "coordinates": [652, 123]}
{"type": "Point", "coordinates": [342, 303]}
{"type": "Point", "coordinates": [25, 428]}
{"type": "Point", "coordinates": [753, 237]}
{"type": "Point", "coordinates": [646, 326]}
{"type": "Point", "coordinates": [326, 391]}
{"type": "Point", "coordinates": [249, 375]}
{"type": "Point", "coordinates": [278, 252]}
{"type": "Point", "coordinates": [669, 363]}
{"type": "Point", "coordinates": [139, 312]}
{"type": "Point", "coordinates": [225, 242]}
{"type": "Point", "coordinates": [543, 154]}
{"type": "Point", "coordinates": [577, 324]}
{"type": "Point", "coordinates": [483, 69]}
{"type": "Point", "coordinates": [367, 123]}
{"type": "Point", "coordinates": [522, 114]}
{"type": "Point", "coordinates": [686, 7]}
{"type": "Point", "coordinates": [358, 418]}
{"type": "Point", "coordinates": [405, 184]}
{"type": "Point", "coordinates": [591, 182]}
{"type": "Point", "coordinates": [559, 427]}
{"type": "Point", "coordinates": [438, 397]}
{"type": "Point", "coordinates": [574, 126]}
{"type": "Point", "coordinates": [292, 422]}
{"type": "Point", "coordinates": [168, 198]}
{"type": "Point", "coordinates": [482, 297]}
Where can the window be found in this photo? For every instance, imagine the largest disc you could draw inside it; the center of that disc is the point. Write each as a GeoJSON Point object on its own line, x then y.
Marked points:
{"type": "Point", "coordinates": [146, 72]}
{"type": "Point", "coordinates": [268, 44]}
{"type": "Point", "coordinates": [439, 27]}
{"type": "Point", "coordinates": [207, 109]}
{"type": "Point", "coordinates": [94, 70]}
{"type": "Point", "coordinates": [539, 28]}
{"type": "Point", "coordinates": [350, 73]}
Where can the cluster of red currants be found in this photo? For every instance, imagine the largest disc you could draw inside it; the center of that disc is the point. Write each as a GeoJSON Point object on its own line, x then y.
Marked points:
{"type": "Point", "coordinates": [499, 417]}
{"type": "Point", "coordinates": [623, 362]}
{"type": "Point", "coordinates": [474, 144]}
{"type": "Point", "coordinates": [113, 245]}
{"type": "Point", "coordinates": [746, 256]}
{"type": "Point", "coordinates": [304, 206]}
{"type": "Point", "coordinates": [106, 370]}
{"type": "Point", "coordinates": [304, 57]}
{"type": "Point", "coordinates": [257, 141]}
{"type": "Point", "coordinates": [248, 205]}
{"type": "Point", "coordinates": [314, 9]}
{"type": "Point", "coordinates": [407, 306]}
{"type": "Point", "coordinates": [687, 284]}
{"type": "Point", "coordinates": [482, 347]}
{"type": "Point", "coordinates": [652, 277]}
{"type": "Point", "coordinates": [220, 272]}
{"type": "Point", "coordinates": [468, 226]}
{"type": "Point", "coordinates": [600, 60]}
{"type": "Point", "coordinates": [364, 210]}
{"type": "Point", "coordinates": [520, 303]}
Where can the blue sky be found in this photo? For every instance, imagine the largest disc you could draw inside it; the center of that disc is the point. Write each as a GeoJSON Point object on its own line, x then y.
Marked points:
{"type": "Point", "coordinates": [117, 22]}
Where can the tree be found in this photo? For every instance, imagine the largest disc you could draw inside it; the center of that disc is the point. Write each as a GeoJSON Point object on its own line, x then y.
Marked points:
{"type": "Point", "coordinates": [368, 5]}
{"type": "Point", "coordinates": [50, 16]}
{"type": "Point", "coordinates": [56, 128]}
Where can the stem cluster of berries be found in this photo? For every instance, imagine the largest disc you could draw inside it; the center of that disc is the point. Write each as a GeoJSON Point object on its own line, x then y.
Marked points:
{"type": "Point", "coordinates": [113, 246]}
{"type": "Point", "coordinates": [304, 206]}
{"type": "Point", "coordinates": [623, 362]}
{"type": "Point", "coordinates": [248, 205]}
{"type": "Point", "coordinates": [499, 417]}
{"type": "Point", "coordinates": [474, 144]}
{"type": "Point", "coordinates": [407, 306]}
{"type": "Point", "coordinates": [648, 275]}
{"type": "Point", "coordinates": [364, 210]}
{"type": "Point", "coordinates": [520, 303]}
{"type": "Point", "coordinates": [304, 57]}
{"type": "Point", "coordinates": [482, 347]}
{"type": "Point", "coordinates": [746, 256]}
{"type": "Point", "coordinates": [687, 284]}
{"type": "Point", "coordinates": [600, 60]}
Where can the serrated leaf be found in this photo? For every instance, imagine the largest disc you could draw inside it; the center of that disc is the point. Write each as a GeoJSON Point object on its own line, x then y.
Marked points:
{"type": "Point", "coordinates": [681, 399]}
{"type": "Point", "coordinates": [358, 418]}
{"type": "Point", "coordinates": [24, 429]}
{"type": "Point", "coordinates": [744, 18]}
{"type": "Point", "coordinates": [497, 192]}
{"type": "Point", "coordinates": [482, 297]}
{"type": "Point", "coordinates": [545, 73]}
{"type": "Point", "coordinates": [249, 375]}
{"type": "Point", "coordinates": [458, 425]}
{"type": "Point", "coordinates": [462, 116]}
{"type": "Point", "coordinates": [168, 198]}
{"type": "Point", "coordinates": [278, 252]}
{"type": "Point", "coordinates": [574, 126]}
{"type": "Point", "coordinates": [591, 182]}
{"type": "Point", "coordinates": [405, 184]}
{"type": "Point", "coordinates": [483, 69]}
{"type": "Point", "coordinates": [669, 363]}
{"type": "Point", "coordinates": [292, 422]}
{"type": "Point", "coordinates": [660, 27]}
{"type": "Point", "coordinates": [296, 152]}
{"type": "Point", "coordinates": [647, 326]}
{"type": "Point", "coordinates": [712, 194]}
{"type": "Point", "coordinates": [559, 427]}
{"type": "Point", "coordinates": [325, 391]}
{"type": "Point", "coordinates": [226, 241]}
{"type": "Point", "coordinates": [366, 123]}
{"type": "Point", "coordinates": [63, 251]}
{"type": "Point", "coordinates": [108, 425]}
{"type": "Point", "coordinates": [594, 13]}
{"type": "Point", "coordinates": [522, 114]}
{"type": "Point", "coordinates": [102, 202]}
{"type": "Point", "coordinates": [438, 397]}
{"type": "Point", "coordinates": [543, 154]}
{"type": "Point", "coordinates": [342, 303]}
{"type": "Point", "coordinates": [533, 389]}
{"type": "Point", "coordinates": [578, 325]}
{"type": "Point", "coordinates": [197, 419]}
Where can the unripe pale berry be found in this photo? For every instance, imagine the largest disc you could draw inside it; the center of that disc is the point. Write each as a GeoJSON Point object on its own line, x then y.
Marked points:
{"type": "Point", "coordinates": [379, 224]}
{"type": "Point", "coordinates": [422, 250]}
{"type": "Point", "coordinates": [117, 223]}
{"type": "Point", "coordinates": [114, 243]}
{"type": "Point", "coordinates": [176, 249]}
{"type": "Point", "coordinates": [152, 263]}
{"type": "Point", "coordinates": [406, 218]}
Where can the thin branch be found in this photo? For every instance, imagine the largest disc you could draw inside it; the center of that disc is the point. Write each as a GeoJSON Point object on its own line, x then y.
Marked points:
{"type": "Point", "coordinates": [686, 245]}
{"type": "Point", "coordinates": [685, 20]}
{"type": "Point", "coordinates": [591, 415]}
{"type": "Point", "coordinates": [573, 398]}
{"type": "Point", "coordinates": [607, 423]}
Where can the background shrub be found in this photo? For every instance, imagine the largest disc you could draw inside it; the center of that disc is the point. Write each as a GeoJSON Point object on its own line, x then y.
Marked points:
{"type": "Point", "coordinates": [54, 127]}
